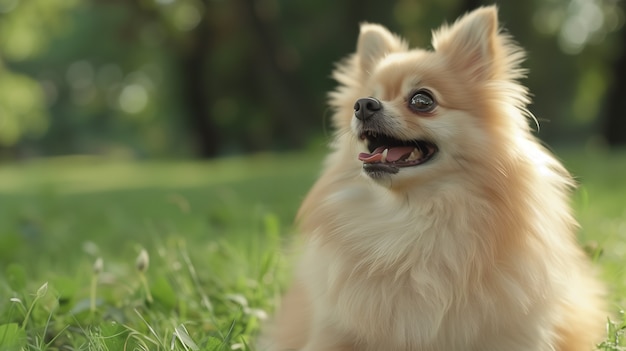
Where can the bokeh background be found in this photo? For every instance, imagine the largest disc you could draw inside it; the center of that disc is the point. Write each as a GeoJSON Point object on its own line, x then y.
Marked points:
{"type": "Point", "coordinates": [204, 78]}
{"type": "Point", "coordinates": [109, 110]}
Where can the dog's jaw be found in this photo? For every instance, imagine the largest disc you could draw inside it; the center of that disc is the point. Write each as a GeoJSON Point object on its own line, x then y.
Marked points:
{"type": "Point", "coordinates": [386, 154]}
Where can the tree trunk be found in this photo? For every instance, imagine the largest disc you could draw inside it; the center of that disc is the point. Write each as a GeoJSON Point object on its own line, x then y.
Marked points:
{"type": "Point", "coordinates": [615, 120]}
{"type": "Point", "coordinates": [280, 89]}
{"type": "Point", "coordinates": [192, 60]}
{"type": "Point", "coordinates": [193, 63]}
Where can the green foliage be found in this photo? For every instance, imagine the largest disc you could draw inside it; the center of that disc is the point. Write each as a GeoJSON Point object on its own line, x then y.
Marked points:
{"type": "Point", "coordinates": [25, 29]}
{"type": "Point", "coordinates": [212, 234]}
{"type": "Point", "coordinates": [615, 335]}
{"type": "Point", "coordinates": [207, 238]}
{"type": "Point", "coordinates": [22, 108]}
{"type": "Point", "coordinates": [137, 78]}
{"type": "Point", "coordinates": [26, 26]}
{"type": "Point", "coordinates": [12, 337]}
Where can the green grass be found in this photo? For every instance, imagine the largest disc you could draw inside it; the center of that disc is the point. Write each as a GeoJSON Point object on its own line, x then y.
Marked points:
{"type": "Point", "coordinates": [72, 231]}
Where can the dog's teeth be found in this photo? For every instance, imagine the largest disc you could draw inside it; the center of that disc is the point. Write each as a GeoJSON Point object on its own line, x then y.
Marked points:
{"type": "Point", "coordinates": [415, 154]}
{"type": "Point", "coordinates": [384, 158]}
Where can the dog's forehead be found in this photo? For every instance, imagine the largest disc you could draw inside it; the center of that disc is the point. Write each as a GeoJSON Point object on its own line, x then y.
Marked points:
{"type": "Point", "coordinates": [398, 73]}
{"type": "Point", "coordinates": [405, 61]}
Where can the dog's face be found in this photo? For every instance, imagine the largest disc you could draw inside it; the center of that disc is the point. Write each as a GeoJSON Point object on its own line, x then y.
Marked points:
{"type": "Point", "coordinates": [419, 114]}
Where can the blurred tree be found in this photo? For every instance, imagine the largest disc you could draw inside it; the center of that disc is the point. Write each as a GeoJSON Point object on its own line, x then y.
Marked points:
{"type": "Point", "coordinates": [468, 5]}
{"type": "Point", "coordinates": [193, 62]}
{"type": "Point", "coordinates": [167, 78]}
{"type": "Point", "coordinates": [24, 30]}
{"type": "Point", "coordinates": [22, 108]}
{"type": "Point", "coordinates": [184, 28]}
{"type": "Point", "coordinates": [279, 88]}
{"type": "Point", "coordinates": [615, 125]}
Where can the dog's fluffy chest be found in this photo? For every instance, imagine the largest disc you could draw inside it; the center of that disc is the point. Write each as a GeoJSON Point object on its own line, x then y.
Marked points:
{"type": "Point", "coordinates": [380, 305]}
{"type": "Point", "coordinates": [377, 269]}
{"type": "Point", "coordinates": [407, 275]}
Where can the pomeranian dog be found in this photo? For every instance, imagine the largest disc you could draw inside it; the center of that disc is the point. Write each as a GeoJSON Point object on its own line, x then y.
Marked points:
{"type": "Point", "coordinates": [439, 222]}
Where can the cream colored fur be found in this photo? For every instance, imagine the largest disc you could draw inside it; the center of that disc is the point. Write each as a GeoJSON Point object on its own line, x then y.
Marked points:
{"type": "Point", "coordinates": [474, 250]}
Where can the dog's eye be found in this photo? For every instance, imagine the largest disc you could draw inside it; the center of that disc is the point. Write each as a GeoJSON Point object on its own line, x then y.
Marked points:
{"type": "Point", "coordinates": [422, 101]}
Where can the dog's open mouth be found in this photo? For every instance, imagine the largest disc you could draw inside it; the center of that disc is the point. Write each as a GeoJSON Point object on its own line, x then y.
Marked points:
{"type": "Point", "coordinates": [388, 154]}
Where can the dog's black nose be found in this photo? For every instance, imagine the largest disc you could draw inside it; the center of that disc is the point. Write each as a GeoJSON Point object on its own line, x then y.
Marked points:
{"type": "Point", "coordinates": [365, 108]}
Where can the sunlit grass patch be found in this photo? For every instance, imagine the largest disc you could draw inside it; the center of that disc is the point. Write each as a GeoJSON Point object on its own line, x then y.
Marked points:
{"type": "Point", "coordinates": [207, 294]}
{"type": "Point", "coordinates": [155, 256]}
{"type": "Point", "coordinates": [191, 256]}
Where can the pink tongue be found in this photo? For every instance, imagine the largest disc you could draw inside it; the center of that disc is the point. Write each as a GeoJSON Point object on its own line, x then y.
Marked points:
{"type": "Point", "coordinates": [394, 154]}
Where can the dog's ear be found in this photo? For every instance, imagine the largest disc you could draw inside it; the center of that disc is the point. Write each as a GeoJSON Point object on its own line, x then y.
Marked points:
{"type": "Point", "coordinates": [375, 41]}
{"type": "Point", "coordinates": [471, 43]}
